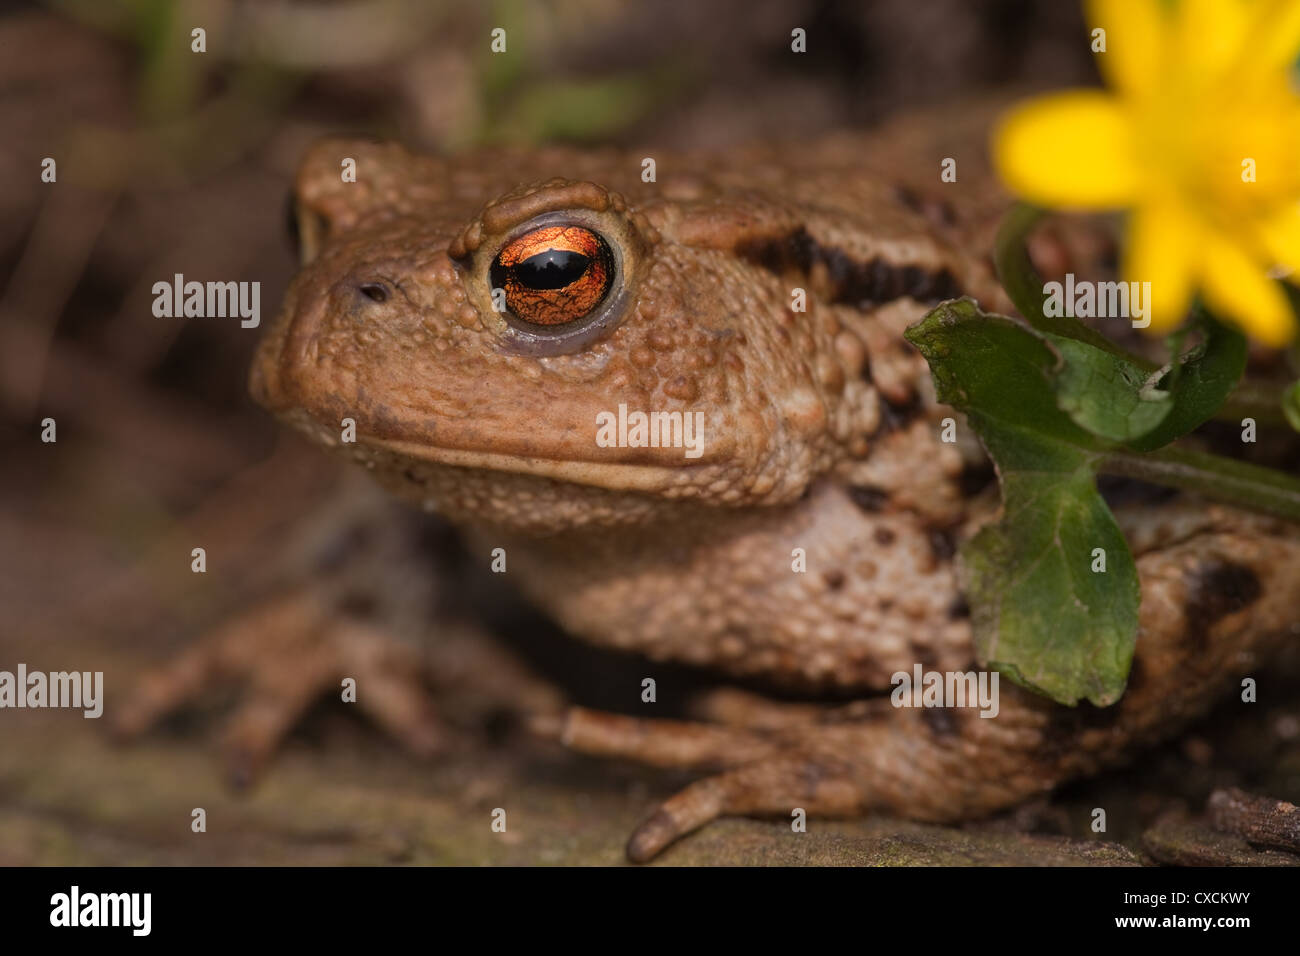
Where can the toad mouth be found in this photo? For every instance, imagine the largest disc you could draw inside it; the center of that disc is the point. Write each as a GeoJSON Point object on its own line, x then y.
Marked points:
{"type": "Point", "coordinates": [612, 475]}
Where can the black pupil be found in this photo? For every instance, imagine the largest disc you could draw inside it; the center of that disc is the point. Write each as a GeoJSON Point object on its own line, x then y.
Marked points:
{"type": "Point", "coordinates": [552, 269]}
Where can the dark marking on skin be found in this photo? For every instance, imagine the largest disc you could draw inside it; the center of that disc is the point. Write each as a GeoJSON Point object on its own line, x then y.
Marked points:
{"type": "Point", "coordinates": [868, 498]}
{"type": "Point", "coordinates": [943, 544]}
{"type": "Point", "coordinates": [895, 416]}
{"type": "Point", "coordinates": [1214, 590]}
{"type": "Point", "coordinates": [958, 608]}
{"type": "Point", "coordinates": [909, 197]}
{"type": "Point", "coordinates": [941, 722]}
{"type": "Point", "coordinates": [924, 655]}
{"type": "Point", "coordinates": [357, 604]}
{"type": "Point", "coordinates": [834, 579]}
{"type": "Point", "coordinates": [938, 211]}
{"type": "Point", "coordinates": [1060, 734]}
{"type": "Point", "coordinates": [862, 285]}
{"type": "Point", "coordinates": [975, 478]}
{"type": "Point", "coordinates": [865, 374]}
{"type": "Point", "coordinates": [884, 536]}
{"type": "Point", "coordinates": [871, 710]}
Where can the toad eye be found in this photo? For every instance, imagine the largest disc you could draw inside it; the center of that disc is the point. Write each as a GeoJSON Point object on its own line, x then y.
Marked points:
{"type": "Point", "coordinates": [554, 275]}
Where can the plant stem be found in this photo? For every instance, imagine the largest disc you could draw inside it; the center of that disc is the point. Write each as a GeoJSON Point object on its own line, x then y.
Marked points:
{"type": "Point", "coordinates": [1024, 286]}
{"type": "Point", "coordinates": [1257, 400]}
{"type": "Point", "coordinates": [1222, 479]}
{"type": "Point", "coordinates": [1016, 271]}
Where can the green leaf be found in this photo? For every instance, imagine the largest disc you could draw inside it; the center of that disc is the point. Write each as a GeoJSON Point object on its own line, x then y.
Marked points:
{"type": "Point", "coordinates": [1040, 613]}
{"type": "Point", "coordinates": [995, 367]}
{"type": "Point", "coordinates": [1107, 394]}
{"type": "Point", "coordinates": [1199, 384]}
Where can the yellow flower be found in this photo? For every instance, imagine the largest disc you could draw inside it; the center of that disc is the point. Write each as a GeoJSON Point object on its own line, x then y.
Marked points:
{"type": "Point", "coordinates": [1199, 137]}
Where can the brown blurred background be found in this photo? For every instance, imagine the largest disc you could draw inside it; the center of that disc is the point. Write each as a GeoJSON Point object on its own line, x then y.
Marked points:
{"type": "Point", "coordinates": [175, 162]}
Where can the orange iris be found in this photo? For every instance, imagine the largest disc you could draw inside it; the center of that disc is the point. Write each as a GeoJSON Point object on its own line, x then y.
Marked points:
{"type": "Point", "coordinates": [554, 275]}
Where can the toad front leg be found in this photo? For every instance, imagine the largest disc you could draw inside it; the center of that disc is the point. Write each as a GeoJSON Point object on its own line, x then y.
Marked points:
{"type": "Point", "coordinates": [1214, 604]}
{"type": "Point", "coordinates": [361, 607]}
{"type": "Point", "coordinates": [289, 651]}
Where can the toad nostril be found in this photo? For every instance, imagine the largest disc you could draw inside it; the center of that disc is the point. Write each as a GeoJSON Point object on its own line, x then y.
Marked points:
{"type": "Point", "coordinates": [374, 291]}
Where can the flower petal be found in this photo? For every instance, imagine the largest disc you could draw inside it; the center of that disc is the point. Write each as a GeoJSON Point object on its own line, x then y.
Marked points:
{"type": "Point", "coordinates": [1238, 288]}
{"type": "Point", "coordinates": [1274, 42]}
{"type": "Point", "coordinates": [1068, 149]}
{"type": "Point", "coordinates": [1162, 250]}
{"type": "Point", "coordinates": [1210, 35]}
{"type": "Point", "coordinates": [1281, 237]}
{"type": "Point", "coordinates": [1136, 32]}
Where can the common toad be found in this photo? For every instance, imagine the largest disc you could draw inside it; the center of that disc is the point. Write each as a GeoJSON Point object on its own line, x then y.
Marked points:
{"type": "Point", "coordinates": [818, 436]}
